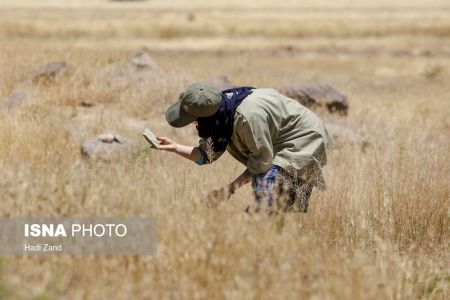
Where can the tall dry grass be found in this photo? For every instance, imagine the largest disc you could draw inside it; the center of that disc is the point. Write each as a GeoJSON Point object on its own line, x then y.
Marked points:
{"type": "Point", "coordinates": [380, 231]}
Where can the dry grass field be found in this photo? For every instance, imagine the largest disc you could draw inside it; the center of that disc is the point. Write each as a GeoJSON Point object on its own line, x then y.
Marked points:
{"type": "Point", "coordinates": [380, 231]}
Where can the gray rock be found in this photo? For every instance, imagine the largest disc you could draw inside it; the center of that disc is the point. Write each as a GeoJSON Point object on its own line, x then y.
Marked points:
{"type": "Point", "coordinates": [317, 95]}
{"type": "Point", "coordinates": [16, 99]}
{"type": "Point", "coordinates": [322, 95]}
{"type": "Point", "coordinates": [49, 71]}
{"type": "Point", "coordinates": [135, 72]}
{"type": "Point", "coordinates": [143, 61]}
{"type": "Point", "coordinates": [104, 147]}
{"type": "Point", "coordinates": [221, 82]}
{"type": "Point", "coordinates": [346, 133]}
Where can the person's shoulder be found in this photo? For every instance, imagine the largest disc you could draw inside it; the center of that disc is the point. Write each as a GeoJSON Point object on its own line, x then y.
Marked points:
{"type": "Point", "coordinates": [253, 101]}
{"type": "Point", "coordinates": [261, 92]}
{"type": "Point", "coordinates": [252, 109]}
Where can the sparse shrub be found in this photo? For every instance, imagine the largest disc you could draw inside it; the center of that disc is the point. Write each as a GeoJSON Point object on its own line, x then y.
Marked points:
{"type": "Point", "coordinates": [432, 70]}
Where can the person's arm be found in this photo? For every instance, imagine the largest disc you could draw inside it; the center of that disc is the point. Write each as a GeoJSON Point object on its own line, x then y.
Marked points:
{"type": "Point", "coordinates": [215, 197]}
{"type": "Point", "coordinates": [188, 152]}
{"type": "Point", "coordinates": [198, 154]}
{"type": "Point", "coordinates": [241, 180]}
{"type": "Point", "coordinates": [256, 136]}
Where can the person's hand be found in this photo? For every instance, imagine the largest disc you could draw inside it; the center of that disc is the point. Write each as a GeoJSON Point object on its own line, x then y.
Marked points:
{"type": "Point", "coordinates": [214, 198]}
{"type": "Point", "coordinates": [167, 144]}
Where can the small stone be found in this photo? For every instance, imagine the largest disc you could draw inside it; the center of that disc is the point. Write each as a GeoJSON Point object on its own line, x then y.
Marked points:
{"type": "Point", "coordinates": [106, 138]}
{"type": "Point", "coordinates": [143, 61]}
{"type": "Point", "coordinates": [49, 71]}
{"type": "Point", "coordinates": [16, 99]}
{"type": "Point", "coordinates": [191, 17]}
{"type": "Point", "coordinates": [104, 146]}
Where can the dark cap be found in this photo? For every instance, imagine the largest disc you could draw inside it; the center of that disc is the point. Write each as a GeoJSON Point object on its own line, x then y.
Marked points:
{"type": "Point", "coordinates": [199, 100]}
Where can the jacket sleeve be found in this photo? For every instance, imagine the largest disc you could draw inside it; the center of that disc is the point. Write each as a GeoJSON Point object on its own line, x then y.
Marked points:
{"type": "Point", "coordinates": [208, 155]}
{"type": "Point", "coordinates": [255, 135]}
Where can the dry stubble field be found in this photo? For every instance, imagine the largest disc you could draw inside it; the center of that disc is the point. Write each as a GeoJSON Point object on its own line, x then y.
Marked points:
{"type": "Point", "coordinates": [380, 231]}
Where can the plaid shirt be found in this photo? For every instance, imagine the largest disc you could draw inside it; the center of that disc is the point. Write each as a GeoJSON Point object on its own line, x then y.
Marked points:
{"type": "Point", "coordinates": [266, 181]}
{"type": "Point", "coordinates": [269, 185]}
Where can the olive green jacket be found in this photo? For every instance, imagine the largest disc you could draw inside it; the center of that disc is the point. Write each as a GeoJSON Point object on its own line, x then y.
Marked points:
{"type": "Point", "coordinates": [272, 129]}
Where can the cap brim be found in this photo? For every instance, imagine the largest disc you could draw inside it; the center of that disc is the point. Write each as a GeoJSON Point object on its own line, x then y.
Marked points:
{"type": "Point", "coordinates": [176, 118]}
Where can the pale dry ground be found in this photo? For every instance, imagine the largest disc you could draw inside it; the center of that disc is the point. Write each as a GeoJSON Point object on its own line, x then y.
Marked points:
{"type": "Point", "coordinates": [380, 231]}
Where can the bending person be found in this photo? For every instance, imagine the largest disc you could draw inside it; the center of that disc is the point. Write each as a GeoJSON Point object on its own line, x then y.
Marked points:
{"type": "Point", "coordinates": [282, 143]}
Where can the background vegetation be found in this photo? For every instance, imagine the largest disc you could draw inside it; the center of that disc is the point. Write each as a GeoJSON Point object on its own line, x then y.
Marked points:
{"type": "Point", "coordinates": [380, 231]}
